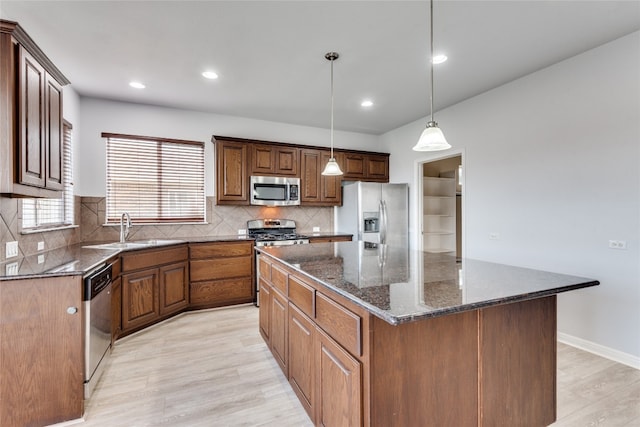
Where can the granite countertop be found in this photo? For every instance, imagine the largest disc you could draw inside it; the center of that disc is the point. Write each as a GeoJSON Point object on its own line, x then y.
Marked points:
{"type": "Point", "coordinates": [83, 257]}
{"type": "Point", "coordinates": [399, 285]}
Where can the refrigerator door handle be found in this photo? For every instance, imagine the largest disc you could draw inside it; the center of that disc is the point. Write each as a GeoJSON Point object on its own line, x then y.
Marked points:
{"type": "Point", "coordinates": [383, 221]}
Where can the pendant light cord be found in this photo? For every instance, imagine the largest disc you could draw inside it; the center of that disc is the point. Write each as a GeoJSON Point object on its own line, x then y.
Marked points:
{"type": "Point", "coordinates": [332, 107]}
{"type": "Point", "coordinates": [431, 54]}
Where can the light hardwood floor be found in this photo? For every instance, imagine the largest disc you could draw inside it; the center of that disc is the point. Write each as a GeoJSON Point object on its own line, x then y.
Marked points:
{"type": "Point", "coordinates": [211, 368]}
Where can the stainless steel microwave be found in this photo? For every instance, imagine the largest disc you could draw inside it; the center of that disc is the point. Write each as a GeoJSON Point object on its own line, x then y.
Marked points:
{"type": "Point", "coordinates": [275, 191]}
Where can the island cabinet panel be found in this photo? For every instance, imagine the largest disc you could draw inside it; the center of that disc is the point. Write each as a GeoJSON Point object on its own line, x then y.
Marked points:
{"type": "Point", "coordinates": [342, 324]}
{"type": "Point", "coordinates": [302, 336]}
{"type": "Point", "coordinates": [279, 279]}
{"type": "Point", "coordinates": [338, 385]}
{"type": "Point", "coordinates": [41, 353]}
{"type": "Point", "coordinates": [265, 311]}
{"type": "Point", "coordinates": [517, 383]}
{"type": "Point", "coordinates": [302, 295]}
{"type": "Point", "coordinates": [434, 361]}
{"type": "Point", "coordinates": [279, 322]}
{"type": "Point", "coordinates": [221, 273]}
{"type": "Point", "coordinates": [264, 267]}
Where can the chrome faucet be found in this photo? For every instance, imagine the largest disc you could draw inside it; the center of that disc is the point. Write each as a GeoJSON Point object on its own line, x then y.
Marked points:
{"type": "Point", "coordinates": [124, 226]}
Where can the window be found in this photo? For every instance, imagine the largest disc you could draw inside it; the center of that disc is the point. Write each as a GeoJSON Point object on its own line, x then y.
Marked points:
{"type": "Point", "coordinates": [51, 213]}
{"type": "Point", "coordinates": [155, 180]}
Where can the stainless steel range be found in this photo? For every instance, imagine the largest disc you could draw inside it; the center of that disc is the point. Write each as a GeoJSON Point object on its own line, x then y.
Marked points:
{"type": "Point", "coordinates": [273, 232]}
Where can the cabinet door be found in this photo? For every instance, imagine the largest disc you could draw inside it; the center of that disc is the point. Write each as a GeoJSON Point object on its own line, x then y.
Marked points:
{"type": "Point", "coordinates": [263, 159]}
{"type": "Point", "coordinates": [302, 335]}
{"type": "Point", "coordinates": [139, 298]}
{"type": "Point", "coordinates": [174, 287]}
{"type": "Point", "coordinates": [278, 335]}
{"type": "Point", "coordinates": [231, 173]}
{"type": "Point", "coordinates": [377, 168]}
{"type": "Point", "coordinates": [41, 352]}
{"type": "Point", "coordinates": [265, 311]}
{"type": "Point", "coordinates": [330, 186]}
{"type": "Point", "coordinates": [338, 384]}
{"type": "Point", "coordinates": [354, 166]}
{"type": "Point", "coordinates": [286, 161]}
{"type": "Point", "coordinates": [53, 134]}
{"type": "Point", "coordinates": [116, 309]}
{"type": "Point", "coordinates": [31, 98]}
{"type": "Point", "coordinates": [310, 176]}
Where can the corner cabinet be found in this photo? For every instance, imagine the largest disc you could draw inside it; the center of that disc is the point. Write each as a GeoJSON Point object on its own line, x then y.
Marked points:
{"type": "Point", "coordinates": [30, 117]}
{"type": "Point", "coordinates": [155, 285]}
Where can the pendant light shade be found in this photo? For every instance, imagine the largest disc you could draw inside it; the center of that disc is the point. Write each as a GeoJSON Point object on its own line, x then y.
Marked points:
{"type": "Point", "coordinates": [332, 168]}
{"type": "Point", "coordinates": [432, 138]}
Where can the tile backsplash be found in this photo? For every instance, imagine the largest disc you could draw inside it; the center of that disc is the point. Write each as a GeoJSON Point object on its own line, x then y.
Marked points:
{"type": "Point", "coordinates": [90, 216]}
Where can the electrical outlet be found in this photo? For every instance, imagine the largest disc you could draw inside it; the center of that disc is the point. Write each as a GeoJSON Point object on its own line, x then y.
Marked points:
{"type": "Point", "coordinates": [618, 244]}
{"type": "Point", "coordinates": [11, 269]}
{"type": "Point", "coordinates": [494, 236]}
{"type": "Point", "coordinates": [242, 232]}
{"type": "Point", "coordinates": [11, 249]}
{"type": "Point", "coordinates": [40, 259]}
{"type": "Point", "coordinates": [316, 229]}
{"type": "Point", "coordinates": [41, 246]}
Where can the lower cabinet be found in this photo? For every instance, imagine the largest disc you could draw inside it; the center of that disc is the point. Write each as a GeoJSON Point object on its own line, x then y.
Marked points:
{"type": "Point", "coordinates": [41, 354]}
{"type": "Point", "coordinates": [325, 376]}
{"type": "Point", "coordinates": [116, 309]}
{"type": "Point", "coordinates": [221, 273]}
{"type": "Point", "coordinates": [155, 285]}
{"type": "Point", "coordinates": [339, 384]}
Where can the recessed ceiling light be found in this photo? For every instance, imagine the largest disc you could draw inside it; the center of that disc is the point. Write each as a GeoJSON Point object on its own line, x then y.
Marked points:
{"type": "Point", "coordinates": [439, 59]}
{"type": "Point", "coordinates": [210, 75]}
{"type": "Point", "coordinates": [137, 85]}
{"type": "Point", "coordinates": [366, 103]}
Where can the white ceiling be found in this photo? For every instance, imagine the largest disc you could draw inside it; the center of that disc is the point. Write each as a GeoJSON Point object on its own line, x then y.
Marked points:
{"type": "Point", "coordinates": [270, 54]}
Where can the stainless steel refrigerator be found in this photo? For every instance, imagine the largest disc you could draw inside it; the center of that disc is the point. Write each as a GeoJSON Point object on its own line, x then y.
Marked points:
{"type": "Point", "coordinates": [376, 213]}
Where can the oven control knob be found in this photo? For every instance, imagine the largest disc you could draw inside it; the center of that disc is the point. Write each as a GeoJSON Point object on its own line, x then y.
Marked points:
{"type": "Point", "coordinates": [72, 310]}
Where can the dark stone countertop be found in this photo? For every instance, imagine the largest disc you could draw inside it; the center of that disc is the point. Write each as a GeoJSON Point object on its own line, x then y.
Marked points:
{"type": "Point", "coordinates": [80, 258]}
{"type": "Point", "coordinates": [399, 285]}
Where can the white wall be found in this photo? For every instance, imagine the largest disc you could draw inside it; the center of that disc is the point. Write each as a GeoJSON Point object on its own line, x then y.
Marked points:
{"type": "Point", "coordinates": [552, 164]}
{"type": "Point", "coordinates": [98, 115]}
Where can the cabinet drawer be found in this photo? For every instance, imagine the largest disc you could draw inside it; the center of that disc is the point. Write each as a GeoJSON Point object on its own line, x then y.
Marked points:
{"type": "Point", "coordinates": [264, 268]}
{"type": "Point", "coordinates": [302, 295]}
{"type": "Point", "coordinates": [227, 249]}
{"type": "Point", "coordinates": [221, 268]}
{"type": "Point", "coordinates": [153, 258]}
{"type": "Point", "coordinates": [342, 325]}
{"type": "Point", "coordinates": [221, 291]}
{"type": "Point", "coordinates": [279, 279]}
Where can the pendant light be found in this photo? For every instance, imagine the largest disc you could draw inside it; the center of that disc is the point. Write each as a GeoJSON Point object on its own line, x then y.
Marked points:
{"type": "Point", "coordinates": [432, 138]}
{"type": "Point", "coordinates": [332, 168]}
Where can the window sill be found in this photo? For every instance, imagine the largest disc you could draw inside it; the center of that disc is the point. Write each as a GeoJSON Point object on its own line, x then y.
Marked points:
{"type": "Point", "coordinates": [46, 229]}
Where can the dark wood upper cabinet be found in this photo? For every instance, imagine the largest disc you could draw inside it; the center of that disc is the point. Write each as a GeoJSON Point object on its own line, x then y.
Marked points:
{"type": "Point", "coordinates": [30, 117]}
{"type": "Point", "coordinates": [274, 160]}
{"type": "Point", "coordinates": [232, 182]}
{"type": "Point", "coordinates": [238, 159]}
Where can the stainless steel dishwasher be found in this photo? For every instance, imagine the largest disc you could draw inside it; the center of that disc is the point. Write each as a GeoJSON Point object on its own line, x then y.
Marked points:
{"type": "Point", "coordinates": [97, 323]}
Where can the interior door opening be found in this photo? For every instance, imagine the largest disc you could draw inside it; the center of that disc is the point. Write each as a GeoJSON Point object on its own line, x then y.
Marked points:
{"type": "Point", "coordinates": [441, 219]}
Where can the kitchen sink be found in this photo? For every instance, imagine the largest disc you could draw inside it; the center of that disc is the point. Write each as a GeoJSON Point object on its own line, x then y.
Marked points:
{"type": "Point", "coordinates": [134, 244]}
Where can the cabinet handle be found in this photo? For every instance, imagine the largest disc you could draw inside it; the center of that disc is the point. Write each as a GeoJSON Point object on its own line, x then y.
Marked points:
{"type": "Point", "coordinates": [72, 310]}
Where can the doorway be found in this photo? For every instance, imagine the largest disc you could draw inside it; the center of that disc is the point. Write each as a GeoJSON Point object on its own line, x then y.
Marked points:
{"type": "Point", "coordinates": [441, 219]}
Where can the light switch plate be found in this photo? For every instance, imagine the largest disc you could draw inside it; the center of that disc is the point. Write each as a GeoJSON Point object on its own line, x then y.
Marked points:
{"type": "Point", "coordinates": [316, 229]}
{"type": "Point", "coordinates": [11, 269]}
{"type": "Point", "coordinates": [41, 246]}
{"type": "Point", "coordinates": [11, 249]}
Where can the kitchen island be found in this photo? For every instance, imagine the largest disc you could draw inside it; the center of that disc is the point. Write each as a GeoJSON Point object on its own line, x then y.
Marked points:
{"type": "Point", "coordinates": [381, 336]}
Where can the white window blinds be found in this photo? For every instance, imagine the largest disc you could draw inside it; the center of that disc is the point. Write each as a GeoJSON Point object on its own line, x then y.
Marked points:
{"type": "Point", "coordinates": [51, 213]}
{"type": "Point", "coordinates": [155, 180]}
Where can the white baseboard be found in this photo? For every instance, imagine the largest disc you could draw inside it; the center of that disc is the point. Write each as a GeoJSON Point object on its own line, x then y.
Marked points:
{"type": "Point", "coordinates": [600, 350]}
